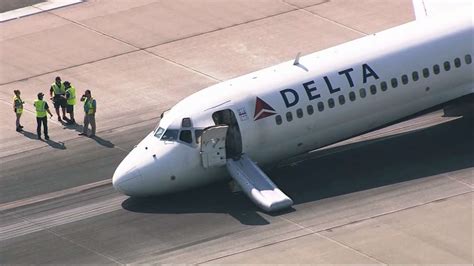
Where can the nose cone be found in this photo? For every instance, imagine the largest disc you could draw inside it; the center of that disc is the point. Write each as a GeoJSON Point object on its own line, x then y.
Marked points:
{"type": "Point", "coordinates": [127, 179]}
{"type": "Point", "coordinates": [130, 177]}
{"type": "Point", "coordinates": [156, 168]}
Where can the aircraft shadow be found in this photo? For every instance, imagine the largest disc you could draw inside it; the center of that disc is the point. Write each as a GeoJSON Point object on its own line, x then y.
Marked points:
{"type": "Point", "coordinates": [215, 198]}
{"type": "Point", "coordinates": [408, 156]}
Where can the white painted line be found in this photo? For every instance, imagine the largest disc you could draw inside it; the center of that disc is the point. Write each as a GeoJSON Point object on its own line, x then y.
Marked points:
{"type": "Point", "coordinates": [38, 8]}
{"type": "Point", "coordinates": [29, 226]}
{"type": "Point", "coordinates": [53, 195]}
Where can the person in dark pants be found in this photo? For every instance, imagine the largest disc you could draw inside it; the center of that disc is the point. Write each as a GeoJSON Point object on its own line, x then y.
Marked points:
{"type": "Point", "coordinates": [41, 109]}
{"type": "Point", "coordinates": [71, 101]}
{"type": "Point", "coordinates": [58, 95]}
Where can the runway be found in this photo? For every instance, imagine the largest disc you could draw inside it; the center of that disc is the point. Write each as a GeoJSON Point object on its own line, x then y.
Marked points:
{"type": "Point", "coordinates": [402, 194]}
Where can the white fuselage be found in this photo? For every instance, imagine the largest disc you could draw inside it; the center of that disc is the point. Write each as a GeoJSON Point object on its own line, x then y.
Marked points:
{"type": "Point", "coordinates": [287, 109]}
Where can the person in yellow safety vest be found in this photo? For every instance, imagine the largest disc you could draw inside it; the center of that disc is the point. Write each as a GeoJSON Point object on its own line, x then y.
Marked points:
{"type": "Point", "coordinates": [41, 109]}
{"type": "Point", "coordinates": [90, 108]}
{"type": "Point", "coordinates": [18, 109]}
{"type": "Point", "coordinates": [71, 101]}
{"type": "Point", "coordinates": [58, 95]}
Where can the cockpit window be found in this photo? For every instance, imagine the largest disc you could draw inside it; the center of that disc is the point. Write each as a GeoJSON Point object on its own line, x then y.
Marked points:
{"type": "Point", "coordinates": [186, 136]}
{"type": "Point", "coordinates": [170, 135]}
{"type": "Point", "coordinates": [159, 132]}
{"type": "Point", "coordinates": [186, 122]}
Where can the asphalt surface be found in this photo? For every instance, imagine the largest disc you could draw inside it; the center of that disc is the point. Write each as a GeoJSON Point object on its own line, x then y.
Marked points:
{"type": "Point", "coordinates": [399, 195]}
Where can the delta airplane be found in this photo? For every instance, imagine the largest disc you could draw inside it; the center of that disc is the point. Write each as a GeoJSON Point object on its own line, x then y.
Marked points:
{"type": "Point", "coordinates": [235, 128]}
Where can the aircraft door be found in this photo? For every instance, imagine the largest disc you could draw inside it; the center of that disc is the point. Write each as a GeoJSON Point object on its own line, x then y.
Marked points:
{"type": "Point", "coordinates": [233, 142]}
{"type": "Point", "coordinates": [213, 150]}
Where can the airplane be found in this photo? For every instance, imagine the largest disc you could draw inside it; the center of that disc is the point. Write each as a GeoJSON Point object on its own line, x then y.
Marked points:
{"type": "Point", "coordinates": [236, 128]}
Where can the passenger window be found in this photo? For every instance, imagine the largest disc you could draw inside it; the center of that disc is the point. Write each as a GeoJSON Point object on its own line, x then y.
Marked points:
{"type": "Point", "coordinates": [362, 93]}
{"type": "Point", "coordinates": [436, 69]}
{"type": "Point", "coordinates": [426, 72]}
{"type": "Point", "coordinates": [186, 122]}
{"type": "Point", "coordinates": [352, 96]}
{"type": "Point", "coordinates": [447, 66]}
{"type": "Point", "coordinates": [331, 103]}
{"type": "Point", "coordinates": [310, 109]}
{"type": "Point", "coordinates": [394, 82]}
{"type": "Point", "coordinates": [457, 62]}
{"type": "Point", "coordinates": [186, 136]}
{"type": "Point", "coordinates": [373, 89]}
{"type": "Point", "coordinates": [197, 135]}
{"type": "Point", "coordinates": [405, 79]}
{"type": "Point", "coordinates": [383, 86]}
{"type": "Point", "coordinates": [415, 76]}
{"type": "Point", "coordinates": [320, 106]}
{"type": "Point", "coordinates": [289, 116]}
{"type": "Point", "coordinates": [342, 99]}
{"type": "Point", "coordinates": [468, 59]}
{"type": "Point", "coordinates": [278, 120]}
{"type": "Point", "coordinates": [299, 113]}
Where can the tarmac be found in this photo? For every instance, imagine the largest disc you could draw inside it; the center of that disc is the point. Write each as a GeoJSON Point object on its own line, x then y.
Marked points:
{"type": "Point", "coordinates": [403, 194]}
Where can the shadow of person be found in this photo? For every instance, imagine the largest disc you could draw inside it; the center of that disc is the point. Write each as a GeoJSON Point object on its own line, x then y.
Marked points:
{"type": "Point", "coordinates": [103, 142]}
{"type": "Point", "coordinates": [79, 128]}
{"type": "Point", "coordinates": [29, 135]}
{"type": "Point", "coordinates": [57, 145]}
{"type": "Point", "coordinates": [75, 127]}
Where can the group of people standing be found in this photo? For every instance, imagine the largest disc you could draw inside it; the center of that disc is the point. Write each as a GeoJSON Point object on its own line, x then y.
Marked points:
{"type": "Point", "coordinates": [63, 95]}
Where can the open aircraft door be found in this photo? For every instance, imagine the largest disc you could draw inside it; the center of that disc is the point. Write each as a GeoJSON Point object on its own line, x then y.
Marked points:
{"type": "Point", "coordinates": [213, 152]}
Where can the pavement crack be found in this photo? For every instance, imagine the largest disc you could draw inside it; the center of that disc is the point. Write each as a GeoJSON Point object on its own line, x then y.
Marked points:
{"type": "Point", "coordinates": [310, 231]}
{"type": "Point", "coordinates": [135, 48]}
{"type": "Point", "coordinates": [304, 9]}
{"type": "Point", "coordinates": [393, 211]}
{"type": "Point", "coordinates": [69, 67]}
{"type": "Point", "coordinates": [255, 248]}
{"type": "Point", "coordinates": [461, 182]}
{"type": "Point", "coordinates": [333, 240]}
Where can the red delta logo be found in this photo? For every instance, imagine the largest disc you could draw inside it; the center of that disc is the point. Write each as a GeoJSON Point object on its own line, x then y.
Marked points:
{"type": "Point", "coordinates": [262, 109]}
